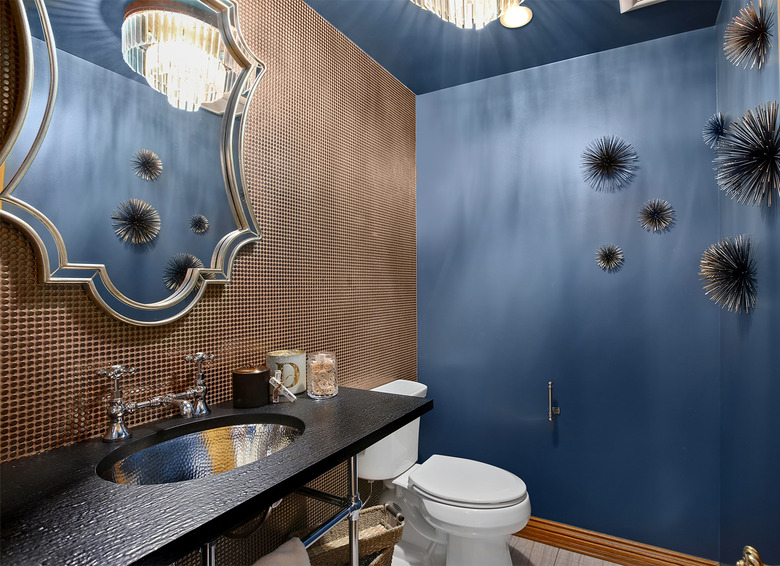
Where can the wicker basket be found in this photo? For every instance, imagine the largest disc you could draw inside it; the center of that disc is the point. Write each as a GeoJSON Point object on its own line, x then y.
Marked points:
{"type": "Point", "coordinates": [379, 532]}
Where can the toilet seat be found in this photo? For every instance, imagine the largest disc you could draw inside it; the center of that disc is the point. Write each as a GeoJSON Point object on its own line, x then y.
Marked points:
{"type": "Point", "coordinates": [470, 522]}
{"type": "Point", "coordinates": [466, 483]}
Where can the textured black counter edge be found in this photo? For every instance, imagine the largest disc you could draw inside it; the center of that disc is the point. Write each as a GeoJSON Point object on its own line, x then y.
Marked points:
{"type": "Point", "coordinates": [242, 513]}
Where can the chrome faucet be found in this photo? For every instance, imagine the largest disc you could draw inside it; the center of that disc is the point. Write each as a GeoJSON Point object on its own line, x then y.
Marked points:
{"type": "Point", "coordinates": [199, 391]}
{"type": "Point", "coordinates": [117, 409]}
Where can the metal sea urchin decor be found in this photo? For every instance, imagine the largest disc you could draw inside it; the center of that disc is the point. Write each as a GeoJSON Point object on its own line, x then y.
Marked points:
{"type": "Point", "coordinates": [747, 36]}
{"type": "Point", "coordinates": [729, 274]}
{"type": "Point", "coordinates": [136, 221]}
{"type": "Point", "coordinates": [176, 269]}
{"type": "Point", "coordinates": [609, 257]}
{"type": "Point", "coordinates": [748, 162]}
{"type": "Point", "coordinates": [146, 164]}
{"type": "Point", "coordinates": [199, 224]}
{"type": "Point", "coordinates": [609, 163]}
{"type": "Point", "coordinates": [713, 130]}
{"type": "Point", "coordinates": [656, 215]}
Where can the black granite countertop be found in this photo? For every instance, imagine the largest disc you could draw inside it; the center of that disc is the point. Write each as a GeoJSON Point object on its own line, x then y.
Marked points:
{"type": "Point", "coordinates": [54, 509]}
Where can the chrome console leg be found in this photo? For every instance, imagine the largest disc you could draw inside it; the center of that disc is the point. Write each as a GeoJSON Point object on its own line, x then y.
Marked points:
{"type": "Point", "coordinates": [356, 504]}
{"type": "Point", "coordinates": [208, 554]}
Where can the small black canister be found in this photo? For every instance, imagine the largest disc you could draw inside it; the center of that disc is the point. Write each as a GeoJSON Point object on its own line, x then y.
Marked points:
{"type": "Point", "coordinates": [250, 387]}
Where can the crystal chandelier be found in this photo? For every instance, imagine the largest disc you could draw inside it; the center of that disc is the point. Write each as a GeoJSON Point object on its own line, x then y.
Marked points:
{"type": "Point", "coordinates": [178, 50]}
{"type": "Point", "coordinates": [468, 13]}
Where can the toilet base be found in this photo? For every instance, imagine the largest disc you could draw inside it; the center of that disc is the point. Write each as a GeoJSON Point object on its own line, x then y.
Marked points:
{"type": "Point", "coordinates": [406, 554]}
{"type": "Point", "coordinates": [493, 551]}
{"type": "Point", "coordinates": [458, 552]}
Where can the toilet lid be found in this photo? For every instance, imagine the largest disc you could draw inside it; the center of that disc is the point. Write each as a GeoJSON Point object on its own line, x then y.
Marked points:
{"type": "Point", "coordinates": [467, 483]}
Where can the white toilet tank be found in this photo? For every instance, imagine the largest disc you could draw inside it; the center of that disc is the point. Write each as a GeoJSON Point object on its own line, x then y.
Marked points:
{"type": "Point", "coordinates": [396, 453]}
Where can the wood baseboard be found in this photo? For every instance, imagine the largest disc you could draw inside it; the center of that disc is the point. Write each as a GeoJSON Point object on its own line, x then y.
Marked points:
{"type": "Point", "coordinates": [605, 547]}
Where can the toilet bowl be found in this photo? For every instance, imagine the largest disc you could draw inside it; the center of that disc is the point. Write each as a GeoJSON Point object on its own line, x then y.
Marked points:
{"type": "Point", "coordinates": [458, 511]}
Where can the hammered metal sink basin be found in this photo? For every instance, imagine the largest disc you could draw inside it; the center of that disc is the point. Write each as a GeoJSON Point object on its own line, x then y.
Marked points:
{"type": "Point", "coordinates": [191, 455]}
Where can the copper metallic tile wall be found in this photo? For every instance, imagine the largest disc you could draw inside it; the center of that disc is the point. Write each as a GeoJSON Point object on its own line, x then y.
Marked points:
{"type": "Point", "coordinates": [330, 163]}
{"type": "Point", "coordinates": [12, 72]}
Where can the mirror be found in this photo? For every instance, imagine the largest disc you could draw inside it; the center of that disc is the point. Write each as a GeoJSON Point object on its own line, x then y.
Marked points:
{"type": "Point", "coordinates": [140, 201]}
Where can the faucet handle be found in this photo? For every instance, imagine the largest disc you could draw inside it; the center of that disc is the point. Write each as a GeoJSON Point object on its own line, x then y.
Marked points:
{"type": "Point", "coordinates": [200, 358]}
{"type": "Point", "coordinates": [201, 408]}
{"type": "Point", "coordinates": [115, 373]}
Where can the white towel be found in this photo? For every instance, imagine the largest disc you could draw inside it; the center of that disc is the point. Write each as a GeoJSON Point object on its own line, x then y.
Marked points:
{"type": "Point", "coordinates": [291, 553]}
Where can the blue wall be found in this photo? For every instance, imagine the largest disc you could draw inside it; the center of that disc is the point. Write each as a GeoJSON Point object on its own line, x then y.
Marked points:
{"type": "Point", "coordinates": [750, 352]}
{"type": "Point", "coordinates": [509, 295]}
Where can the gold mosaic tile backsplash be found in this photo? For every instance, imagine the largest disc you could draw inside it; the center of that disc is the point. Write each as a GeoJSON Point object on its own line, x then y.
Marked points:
{"type": "Point", "coordinates": [330, 166]}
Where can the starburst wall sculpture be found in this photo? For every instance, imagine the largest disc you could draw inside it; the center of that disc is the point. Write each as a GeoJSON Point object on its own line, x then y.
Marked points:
{"type": "Point", "coordinates": [199, 224]}
{"type": "Point", "coordinates": [728, 270]}
{"type": "Point", "coordinates": [609, 163]}
{"type": "Point", "coordinates": [747, 36]}
{"type": "Point", "coordinates": [136, 221]}
{"type": "Point", "coordinates": [146, 164]}
{"type": "Point", "coordinates": [609, 257]}
{"type": "Point", "coordinates": [747, 166]}
{"type": "Point", "coordinates": [177, 267]}
{"type": "Point", "coordinates": [713, 130]}
{"type": "Point", "coordinates": [656, 216]}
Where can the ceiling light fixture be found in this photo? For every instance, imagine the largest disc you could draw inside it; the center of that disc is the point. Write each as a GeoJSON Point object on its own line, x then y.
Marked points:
{"type": "Point", "coordinates": [468, 14]}
{"type": "Point", "coordinates": [516, 16]}
{"type": "Point", "coordinates": [177, 48]}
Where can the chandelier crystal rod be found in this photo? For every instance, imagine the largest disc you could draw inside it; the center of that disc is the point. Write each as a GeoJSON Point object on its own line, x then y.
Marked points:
{"type": "Point", "coordinates": [467, 14]}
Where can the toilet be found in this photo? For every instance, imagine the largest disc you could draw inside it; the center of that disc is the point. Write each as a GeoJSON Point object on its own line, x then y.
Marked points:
{"type": "Point", "coordinates": [457, 512]}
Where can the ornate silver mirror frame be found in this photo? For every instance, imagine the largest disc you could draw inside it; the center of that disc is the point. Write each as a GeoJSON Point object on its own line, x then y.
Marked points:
{"type": "Point", "coordinates": [54, 266]}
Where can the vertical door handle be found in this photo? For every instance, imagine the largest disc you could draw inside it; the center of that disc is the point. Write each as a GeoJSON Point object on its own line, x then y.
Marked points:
{"type": "Point", "coordinates": [552, 411]}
